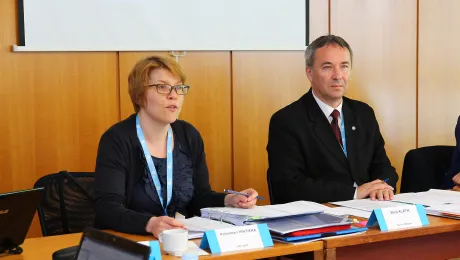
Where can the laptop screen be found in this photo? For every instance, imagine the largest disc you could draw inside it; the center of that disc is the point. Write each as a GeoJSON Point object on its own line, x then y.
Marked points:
{"type": "Point", "coordinates": [99, 245]}
{"type": "Point", "coordinates": [17, 210]}
{"type": "Point", "coordinates": [95, 250]}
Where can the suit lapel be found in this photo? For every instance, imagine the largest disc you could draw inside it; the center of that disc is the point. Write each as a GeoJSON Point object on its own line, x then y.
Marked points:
{"type": "Point", "coordinates": [351, 134]}
{"type": "Point", "coordinates": [323, 130]}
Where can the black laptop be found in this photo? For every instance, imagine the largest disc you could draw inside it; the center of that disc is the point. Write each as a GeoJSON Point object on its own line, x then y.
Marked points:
{"type": "Point", "coordinates": [17, 210]}
{"type": "Point", "coordinates": [99, 245]}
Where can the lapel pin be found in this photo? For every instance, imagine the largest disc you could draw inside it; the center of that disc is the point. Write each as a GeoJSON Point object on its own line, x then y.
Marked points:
{"type": "Point", "coordinates": [353, 128]}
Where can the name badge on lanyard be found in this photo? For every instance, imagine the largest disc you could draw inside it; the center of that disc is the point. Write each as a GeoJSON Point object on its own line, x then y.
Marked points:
{"type": "Point", "coordinates": [151, 166]}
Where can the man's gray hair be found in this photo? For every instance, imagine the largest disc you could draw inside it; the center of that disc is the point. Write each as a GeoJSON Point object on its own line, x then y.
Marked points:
{"type": "Point", "coordinates": [324, 41]}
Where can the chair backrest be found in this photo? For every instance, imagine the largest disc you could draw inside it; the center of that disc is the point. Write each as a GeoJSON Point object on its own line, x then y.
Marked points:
{"type": "Point", "coordinates": [67, 205]}
{"type": "Point", "coordinates": [424, 168]}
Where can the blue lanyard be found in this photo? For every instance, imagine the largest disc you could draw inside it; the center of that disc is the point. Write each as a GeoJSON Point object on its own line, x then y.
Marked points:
{"type": "Point", "coordinates": [151, 166]}
{"type": "Point", "coordinates": [342, 133]}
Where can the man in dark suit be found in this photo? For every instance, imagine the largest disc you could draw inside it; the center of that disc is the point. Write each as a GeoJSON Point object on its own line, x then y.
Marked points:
{"type": "Point", "coordinates": [325, 147]}
{"type": "Point", "coordinates": [453, 174]}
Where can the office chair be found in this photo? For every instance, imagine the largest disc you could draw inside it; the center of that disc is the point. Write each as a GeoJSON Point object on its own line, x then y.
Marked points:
{"type": "Point", "coordinates": [424, 168]}
{"type": "Point", "coordinates": [67, 205]}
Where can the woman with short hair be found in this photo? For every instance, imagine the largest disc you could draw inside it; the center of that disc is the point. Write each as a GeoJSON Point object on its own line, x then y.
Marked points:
{"type": "Point", "coordinates": [151, 165]}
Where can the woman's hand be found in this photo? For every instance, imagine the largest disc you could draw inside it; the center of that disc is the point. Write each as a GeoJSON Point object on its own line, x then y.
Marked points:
{"type": "Point", "coordinates": [240, 201]}
{"type": "Point", "coordinates": [156, 225]}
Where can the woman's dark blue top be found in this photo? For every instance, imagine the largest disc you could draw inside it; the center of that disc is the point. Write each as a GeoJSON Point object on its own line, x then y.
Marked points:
{"type": "Point", "coordinates": [145, 197]}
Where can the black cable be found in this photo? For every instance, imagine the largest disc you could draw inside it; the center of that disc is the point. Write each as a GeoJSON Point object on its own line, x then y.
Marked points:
{"type": "Point", "coordinates": [11, 251]}
{"type": "Point", "coordinates": [15, 250]}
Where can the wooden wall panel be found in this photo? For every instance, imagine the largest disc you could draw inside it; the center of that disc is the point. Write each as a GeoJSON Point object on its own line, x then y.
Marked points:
{"type": "Point", "coordinates": [264, 82]}
{"type": "Point", "coordinates": [382, 35]}
{"type": "Point", "coordinates": [54, 107]}
{"type": "Point", "coordinates": [207, 106]}
{"type": "Point", "coordinates": [439, 67]}
{"type": "Point", "coordinates": [319, 18]}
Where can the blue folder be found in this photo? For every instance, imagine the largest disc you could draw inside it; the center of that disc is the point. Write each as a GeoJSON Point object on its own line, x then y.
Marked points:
{"type": "Point", "coordinates": [321, 235]}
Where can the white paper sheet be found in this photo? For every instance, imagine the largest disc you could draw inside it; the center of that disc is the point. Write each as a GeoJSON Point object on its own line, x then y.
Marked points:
{"type": "Point", "coordinates": [341, 211]}
{"type": "Point", "coordinates": [432, 197]}
{"type": "Point", "coordinates": [453, 209]}
{"type": "Point", "coordinates": [367, 204]}
{"type": "Point", "coordinates": [293, 208]}
{"type": "Point", "coordinates": [203, 224]}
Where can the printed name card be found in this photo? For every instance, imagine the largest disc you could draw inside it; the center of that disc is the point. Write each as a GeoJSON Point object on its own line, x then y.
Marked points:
{"type": "Point", "coordinates": [155, 253]}
{"type": "Point", "coordinates": [237, 238]}
{"type": "Point", "coordinates": [394, 218]}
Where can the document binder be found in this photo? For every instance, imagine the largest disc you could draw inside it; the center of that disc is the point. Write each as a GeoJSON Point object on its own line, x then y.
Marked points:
{"type": "Point", "coordinates": [291, 224]}
{"type": "Point", "coordinates": [239, 217]}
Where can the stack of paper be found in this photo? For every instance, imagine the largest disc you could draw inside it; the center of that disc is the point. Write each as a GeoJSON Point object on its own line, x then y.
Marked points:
{"type": "Point", "coordinates": [304, 228]}
{"type": "Point", "coordinates": [294, 222]}
{"type": "Point", "coordinates": [446, 210]}
{"type": "Point", "coordinates": [291, 224]}
{"type": "Point", "coordinates": [444, 203]}
{"type": "Point", "coordinates": [429, 198]}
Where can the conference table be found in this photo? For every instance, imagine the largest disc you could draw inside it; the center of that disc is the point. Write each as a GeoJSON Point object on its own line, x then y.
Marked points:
{"type": "Point", "coordinates": [439, 240]}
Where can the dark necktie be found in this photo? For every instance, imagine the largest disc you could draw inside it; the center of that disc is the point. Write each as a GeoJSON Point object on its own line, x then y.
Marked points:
{"type": "Point", "coordinates": [335, 126]}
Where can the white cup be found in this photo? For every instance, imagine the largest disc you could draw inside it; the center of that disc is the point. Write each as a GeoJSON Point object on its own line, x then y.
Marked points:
{"type": "Point", "coordinates": [174, 241]}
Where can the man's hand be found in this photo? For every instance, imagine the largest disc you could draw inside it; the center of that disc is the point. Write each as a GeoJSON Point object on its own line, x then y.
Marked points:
{"type": "Point", "coordinates": [375, 189]}
{"type": "Point", "coordinates": [385, 194]}
{"type": "Point", "coordinates": [456, 188]}
{"type": "Point", "coordinates": [456, 179]}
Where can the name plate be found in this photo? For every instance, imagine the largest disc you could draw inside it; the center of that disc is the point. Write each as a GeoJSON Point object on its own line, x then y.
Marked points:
{"type": "Point", "coordinates": [394, 218]}
{"type": "Point", "coordinates": [237, 238]}
{"type": "Point", "coordinates": [155, 252]}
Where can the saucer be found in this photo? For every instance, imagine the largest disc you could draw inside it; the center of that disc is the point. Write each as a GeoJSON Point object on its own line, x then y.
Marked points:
{"type": "Point", "coordinates": [174, 253]}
